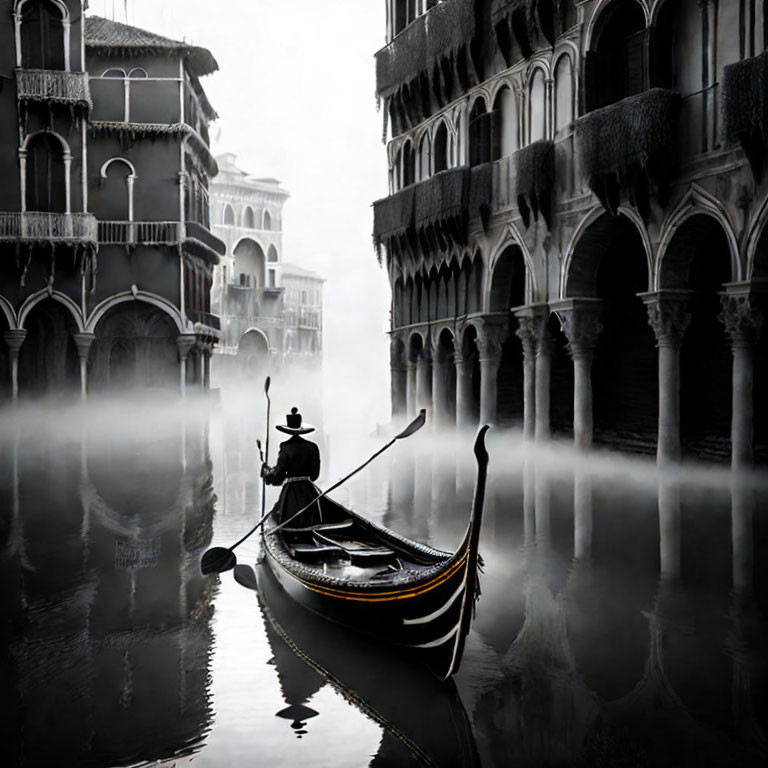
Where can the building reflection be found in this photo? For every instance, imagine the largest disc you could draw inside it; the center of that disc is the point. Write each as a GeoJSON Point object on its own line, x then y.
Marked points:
{"type": "Point", "coordinates": [108, 619]}
{"type": "Point", "coordinates": [652, 651]}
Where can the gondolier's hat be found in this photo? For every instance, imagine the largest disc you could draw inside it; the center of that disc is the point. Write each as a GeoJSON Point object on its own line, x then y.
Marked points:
{"type": "Point", "coordinates": [292, 424]}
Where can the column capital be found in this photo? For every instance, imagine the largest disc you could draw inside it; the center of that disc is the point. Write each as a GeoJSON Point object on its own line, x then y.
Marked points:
{"type": "Point", "coordinates": [185, 343]}
{"type": "Point", "coordinates": [668, 315]}
{"type": "Point", "coordinates": [83, 343]}
{"type": "Point", "coordinates": [742, 316]}
{"type": "Point", "coordinates": [491, 334]}
{"type": "Point", "coordinates": [532, 328]}
{"type": "Point", "coordinates": [580, 321]}
{"type": "Point", "coordinates": [14, 339]}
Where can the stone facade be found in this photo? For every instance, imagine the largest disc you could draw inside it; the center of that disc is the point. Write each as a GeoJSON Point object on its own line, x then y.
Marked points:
{"type": "Point", "coordinates": [575, 232]}
{"type": "Point", "coordinates": [270, 311]}
{"type": "Point", "coordinates": [104, 227]}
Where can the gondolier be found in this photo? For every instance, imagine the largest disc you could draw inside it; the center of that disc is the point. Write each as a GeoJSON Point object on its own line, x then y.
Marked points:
{"type": "Point", "coordinates": [298, 465]}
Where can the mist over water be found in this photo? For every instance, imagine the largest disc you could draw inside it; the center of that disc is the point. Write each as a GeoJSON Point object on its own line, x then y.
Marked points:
{"type": "Point", "coordinates": [621, 622]}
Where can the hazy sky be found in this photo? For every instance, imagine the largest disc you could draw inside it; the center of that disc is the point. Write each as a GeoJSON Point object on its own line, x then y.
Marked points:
{"type": "Point", "coordinates": [295, 95]}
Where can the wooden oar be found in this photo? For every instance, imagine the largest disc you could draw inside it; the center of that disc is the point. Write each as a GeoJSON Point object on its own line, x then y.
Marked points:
{"type": "Point", "coordinates": [220, 559]}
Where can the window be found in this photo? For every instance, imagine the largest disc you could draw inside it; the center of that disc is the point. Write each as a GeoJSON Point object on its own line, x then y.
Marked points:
{"type": "Point", "coordinates": [267, 221]}
{"type": "Point", "coordinates": [115, 73]}
{"type": "Point", "coordinates": [118, 177]}
{"type": "Point", "coordinates": [440, 148]}
{"type": "Point", "coordinates": [272, 254]}
{"type": "Point", "coordinates": [249, 219]}
{"type": "Point", "coordinates": [43, 35]}
{"type": "Point", "coordinates": [138, 73]}
{"type": "Point", "coordinates": [47, 166]}
{"type": "Point", "coordinates": [229, 216]}
{"type": "Point", "coordinates": [538, 107]}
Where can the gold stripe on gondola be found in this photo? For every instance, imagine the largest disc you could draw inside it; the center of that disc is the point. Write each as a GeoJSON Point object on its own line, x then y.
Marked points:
{"type": "Point", "coordinates": [374, 598]}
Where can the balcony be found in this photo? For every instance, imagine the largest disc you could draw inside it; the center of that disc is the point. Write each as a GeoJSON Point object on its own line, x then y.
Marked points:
{"type": "Point", "coordinates": [441, 200]}
{"type": "Point", "coordinates": [434, 36]}
{"type": "Point", "coordinates": [205, 318]}
{"type": "Point", "coordinates": [48, 227]}
{"type": "Point", "coordinates": [195, 238]}
{"type": "Point", "coordinates": [53, 86]}
{"type": "Point", "coordinates": [626, 145]}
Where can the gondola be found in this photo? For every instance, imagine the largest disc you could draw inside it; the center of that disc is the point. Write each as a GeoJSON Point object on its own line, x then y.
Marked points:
{"type": "Point", "coordinates": [364, 576]}
{"type": "Point", "coordinates": [423, 720]}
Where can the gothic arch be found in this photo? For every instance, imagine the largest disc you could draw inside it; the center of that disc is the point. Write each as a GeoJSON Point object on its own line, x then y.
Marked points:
{"type": "Point", "coordinates": [697, 202]}
{"type": "Point", "coordinates": [150, 298]}
{"type": "Point", "coordinates": [32, 301]}
{"type": "Point", "coordinates": [597, 12]}
{"type": "Point", "coordinates": [510, 237]}
{"type": "Point", "coordinates": [569, 281]}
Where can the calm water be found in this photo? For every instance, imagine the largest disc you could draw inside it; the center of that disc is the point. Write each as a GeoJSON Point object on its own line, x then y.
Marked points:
{"type": "Point", "coordinates": [617, 626]}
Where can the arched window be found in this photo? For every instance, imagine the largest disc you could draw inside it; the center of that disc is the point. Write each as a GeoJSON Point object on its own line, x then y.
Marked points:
{"type": "Point", "coordinates": [479, 134]}
{"type": "Point", "coordinates": [138, 73]}
{"type": "Point", "coordinates": [409, 164]}
{"type": "Point", "coordinates": [424, 170]}
{"type": "Point", "coordinates": [537, 106]}
{"type": "Point", "coordinates": [267, 221]}
{"type": "Point", "coordinates": [249, 219]}
{"type": "Point", "coordinates": [117, 202]}
{"type": "Point", "coordinates": [115, 72]}
{"type": "Point", "coordinates": [440, 148]}
{"type": "Point", "coordinates": [47, 167]}
{"type": "Point", "coordinates": [44, 35]}
{"type": "Point", "coordinates": [250, 263]}
{"type": "Point", "coordinates": [506, 127]}
{"type": "Point", "coordinates": [564, 93]}
{"type": "Point", "coordinates": [272, 254]}
{"type": "Point", "coordinates": [229, 216]}
{"type": "Point", "coordinates": [616, 65]}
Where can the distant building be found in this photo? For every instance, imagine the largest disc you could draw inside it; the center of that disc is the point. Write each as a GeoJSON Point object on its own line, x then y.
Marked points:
{"type": "Point", "coordinates": [104, 230]}
{"type": "Point", "coordinates": [303, 313]}
{"type": "Point", "coordinates": [578, 205]}
{"type": "Point", "coordinates": [270, 311]}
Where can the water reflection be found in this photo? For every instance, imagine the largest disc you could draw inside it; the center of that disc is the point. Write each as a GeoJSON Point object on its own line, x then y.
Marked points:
{"type": "Point", "coordinates": [108, 635]}
{"type": "Point", "coordinates": [622, 620]}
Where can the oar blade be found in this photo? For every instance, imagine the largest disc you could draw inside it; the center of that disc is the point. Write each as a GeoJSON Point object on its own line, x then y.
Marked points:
{"type": "Point", "coordinates": [414, 426]}
{"type": "Point", "coordinates": [217, 560]}
{"type": "Point", "coordinates": [245, 577]}
{"type": "Point", "coordinates": [267, 382]}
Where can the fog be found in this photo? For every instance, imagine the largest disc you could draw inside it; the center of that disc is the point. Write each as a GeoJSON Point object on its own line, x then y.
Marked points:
{"type": "Point", "coordinates": [295, 95]}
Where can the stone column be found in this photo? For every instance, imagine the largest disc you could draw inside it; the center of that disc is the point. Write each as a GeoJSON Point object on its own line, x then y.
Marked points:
{"type": "Point", "coordinates": [398, 375]}
{"type": "Point", "coordinates": [489, 341]}
{"type": "Point", "coordinates": [83, 343]}
{"type": "Point", "coordinates": [743, 321]}
{"type": "Point", "coordinates": [185, 343]}
{"type": "Point", "coordinates": [669, 318]}
{"type": "Point", "coordinates": [424, 380]}
{"type": "Point", "coordinates": [14, 339]}
{"type": "Point", "coordinates": [440, 365]}
{"type": "Point", "coordinates": [463, 390]}
{"type": "Point", "coordinates": [410, 392]}
{"type": "Point", "coordinates": [528, 339]}
{"type": "Point", "coordinates": [580, 319]}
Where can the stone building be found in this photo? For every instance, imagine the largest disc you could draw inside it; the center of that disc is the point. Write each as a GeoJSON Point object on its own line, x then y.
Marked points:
{"type": "Point", "coordinates": [271, 311]}
{"type": "Point", "coordinates": [576, 228]}
{"type": "Point", "coordinates": [104, 230]}
{"type": "Point", "coordinates": [247, 292]}
{"type": "Point", "coordinates": [303, 313]}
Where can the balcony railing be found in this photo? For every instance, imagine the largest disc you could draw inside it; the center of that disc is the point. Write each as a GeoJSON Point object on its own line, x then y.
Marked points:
{"type": "Point", "coordinates": [48, 227]}
{"type": "Point", "coordinates": [191, 234]}
{"type": "Point", "coordinates": [51, 85]}
{"type": "Point", "coordinates": [139, 232]}
{"type": "Point", "coordinates": [205, 318]}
